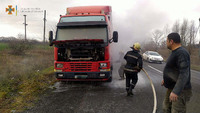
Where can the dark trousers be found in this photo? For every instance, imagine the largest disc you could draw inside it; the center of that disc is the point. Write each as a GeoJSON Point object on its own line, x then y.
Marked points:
{"type": "Point", "coordinates": [131, 80]}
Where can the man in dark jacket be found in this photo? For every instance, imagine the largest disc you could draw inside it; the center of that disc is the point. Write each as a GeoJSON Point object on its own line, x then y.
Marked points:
{"type": "Point", "coordinates": [176, 77]}
{"type": "Point", "coordinates": [132, 67]}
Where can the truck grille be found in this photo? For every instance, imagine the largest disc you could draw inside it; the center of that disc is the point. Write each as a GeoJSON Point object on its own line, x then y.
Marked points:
{"type": "Point", "coordinates": [80, 67]}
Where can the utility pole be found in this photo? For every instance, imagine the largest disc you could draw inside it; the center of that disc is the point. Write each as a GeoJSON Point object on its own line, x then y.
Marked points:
{"type": "Point", "coordinates": [44, 25]}
{"type": "Point", "coordinates": [25, 25]}
{"type": "Point", "coordinates": [199, 33]}
{"type": "Point", "coordinates": [199, 37]}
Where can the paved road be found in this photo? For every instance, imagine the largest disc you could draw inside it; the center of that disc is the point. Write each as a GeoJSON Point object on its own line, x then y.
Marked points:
{"type": "Point", "coordinates": [155, 71]}
{"type": "Point", "coordinates": [86, 97]}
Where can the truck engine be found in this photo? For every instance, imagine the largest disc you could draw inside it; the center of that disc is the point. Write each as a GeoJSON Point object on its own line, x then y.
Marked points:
{"type": "Point", "coordinates": [81, 51]}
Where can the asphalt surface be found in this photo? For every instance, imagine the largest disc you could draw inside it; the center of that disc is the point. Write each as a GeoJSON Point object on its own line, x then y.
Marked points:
{"type": "Point", "coordinates": [90, 97]}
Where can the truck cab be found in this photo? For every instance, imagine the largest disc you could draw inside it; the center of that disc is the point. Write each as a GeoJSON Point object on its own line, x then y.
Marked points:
{"type": "Point", "coordinates": [81, 44]}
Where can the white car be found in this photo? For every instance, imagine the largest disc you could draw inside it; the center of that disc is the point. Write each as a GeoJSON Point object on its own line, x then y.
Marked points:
{"type": "Point", "coordinates": [152, 56]}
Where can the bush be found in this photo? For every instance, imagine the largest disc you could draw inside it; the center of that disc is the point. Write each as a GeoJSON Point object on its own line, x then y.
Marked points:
{"type": "Point", "coordinates": [3, 46]}
{"type": "Point", "coordinates": [18, 47]}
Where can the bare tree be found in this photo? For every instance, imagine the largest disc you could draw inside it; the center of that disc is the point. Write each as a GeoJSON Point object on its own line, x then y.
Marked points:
{"type": "Point", "coordinates": [191, 38]}
{"type": "Point", "coordinates": [20, 36]}
{"type": "Point", "coordinates": [176, 27]}
{"type": "Point", "coordinates": [150, 45]}
{"type": "Point", "coordinates": [184, 32]}
{"type": "Point", "coordinates": [194, 30]}
{"type": "Point", "coordinates": [166, 31]}
{"type": "Point", "coordinates": [157, 36]}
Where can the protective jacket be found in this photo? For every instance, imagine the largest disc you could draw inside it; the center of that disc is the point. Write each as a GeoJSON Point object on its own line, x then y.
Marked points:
{"type": "Point", "coordinates": [134, 61]}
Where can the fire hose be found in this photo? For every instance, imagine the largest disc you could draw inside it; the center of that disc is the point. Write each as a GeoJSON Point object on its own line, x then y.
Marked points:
{"type": "Point", "coordinates": [153, 89]}
{"type": "Point", "coordinates": [154, 92]}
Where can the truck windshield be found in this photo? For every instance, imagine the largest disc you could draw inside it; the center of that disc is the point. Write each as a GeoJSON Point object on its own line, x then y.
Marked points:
{"type": "Point", "coordinates": [75, 33]}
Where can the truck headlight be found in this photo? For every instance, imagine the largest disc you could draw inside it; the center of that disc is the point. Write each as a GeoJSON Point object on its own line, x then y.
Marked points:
{"type": "Point", "coordinates": [59, 65]}
{"type": "Point", "coordinates": [60, 75]}
{"type": "Point", "coordinates": [103, 64]}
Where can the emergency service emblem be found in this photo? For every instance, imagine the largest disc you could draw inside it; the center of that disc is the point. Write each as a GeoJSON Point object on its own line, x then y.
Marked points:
{"type": "Point", "coordinates": [10, 10]}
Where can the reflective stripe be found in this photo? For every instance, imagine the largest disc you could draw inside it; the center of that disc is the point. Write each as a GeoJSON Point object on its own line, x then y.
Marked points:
{"type": "Point", "coordinates": [132, 84]}
{"type": "Point", "coordinates": [130, 70]}
{"type": "Point", "coordinates": [132, 56]}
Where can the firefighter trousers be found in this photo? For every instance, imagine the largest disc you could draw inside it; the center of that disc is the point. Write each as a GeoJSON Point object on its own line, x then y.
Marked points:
{"type": "Point", "coordinates": [131, 80]}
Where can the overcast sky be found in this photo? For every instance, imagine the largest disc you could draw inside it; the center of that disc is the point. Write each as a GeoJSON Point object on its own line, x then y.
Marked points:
{"type": "Point", "coordinates": [133, 19]}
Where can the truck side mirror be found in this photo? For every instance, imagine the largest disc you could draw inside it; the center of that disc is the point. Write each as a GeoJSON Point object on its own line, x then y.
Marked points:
{"type": "Point", "coordinates": [50, 38]}
{"type": "Point", "coordinates": [115, 36]}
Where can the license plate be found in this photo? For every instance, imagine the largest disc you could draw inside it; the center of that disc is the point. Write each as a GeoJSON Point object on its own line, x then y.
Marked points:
{"type": "Point", "coordinates": [80, 76]}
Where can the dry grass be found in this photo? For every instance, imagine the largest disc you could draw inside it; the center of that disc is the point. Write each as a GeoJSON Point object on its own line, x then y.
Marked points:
{"type": "Point", "coordinates": [195, 59]}
{"type": "Point", "coordinates": [23, 77]}
{"type": "Point", "coordinates": [34, 60]}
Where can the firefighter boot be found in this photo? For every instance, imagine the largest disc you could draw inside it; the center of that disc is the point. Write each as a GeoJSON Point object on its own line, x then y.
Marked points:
{"type": "Point", "coordinates": [131, 88]}
{"type": "Point", "coordinates": [130, 92]}
{"type": "Point", "coordinates": [127, 90]}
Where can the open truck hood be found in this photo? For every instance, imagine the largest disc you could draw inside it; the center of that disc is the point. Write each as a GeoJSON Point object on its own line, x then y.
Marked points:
{"type": "Point", "coordinates": [91, 42]}
{"type": "Point", "coordinates": [80, 50]}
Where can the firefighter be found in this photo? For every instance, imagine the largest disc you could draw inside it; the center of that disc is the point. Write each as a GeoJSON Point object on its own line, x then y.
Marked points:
{"type": "Point", "coordinates": [132, 67]}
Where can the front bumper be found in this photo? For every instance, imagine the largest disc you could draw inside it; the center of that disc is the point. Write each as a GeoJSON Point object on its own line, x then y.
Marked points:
{"type": "Point", "coordinates": [83, 76]}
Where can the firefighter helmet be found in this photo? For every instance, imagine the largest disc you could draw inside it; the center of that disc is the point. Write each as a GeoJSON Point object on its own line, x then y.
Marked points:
{"type": "Point", "coordinates": [137, 46]}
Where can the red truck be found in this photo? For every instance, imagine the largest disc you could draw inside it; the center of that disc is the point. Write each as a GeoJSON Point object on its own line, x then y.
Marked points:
{"type": "Point", "coordinates": [81, 44]}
